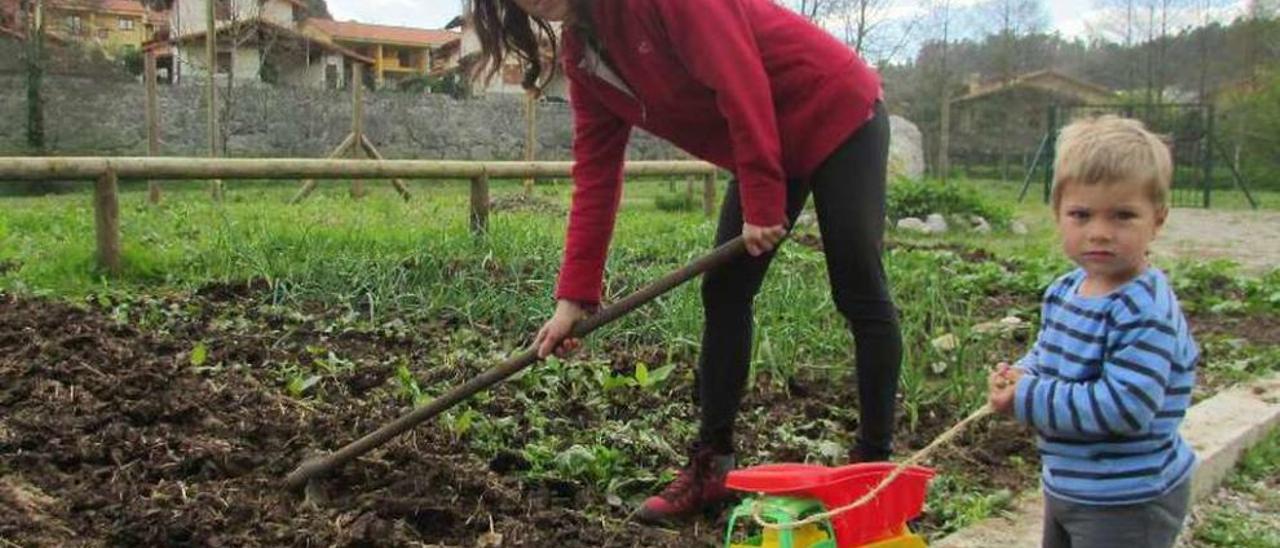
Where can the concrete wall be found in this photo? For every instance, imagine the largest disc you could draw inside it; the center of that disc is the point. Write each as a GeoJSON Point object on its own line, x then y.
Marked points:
{"type": "Point", "coordinates": [93, 117]}
{"type": "Point", "coordinates": [297, 73]}
{"type": "Point", "coordinates": [188, 16]}
{"type": "Point", "coordinates": [192, 68]}
{"type": "Point", "coordinates": [278, 12]}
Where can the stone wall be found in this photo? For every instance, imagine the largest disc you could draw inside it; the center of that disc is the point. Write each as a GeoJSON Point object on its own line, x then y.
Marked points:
{"type": "Point", "coordinates": [91, 116]}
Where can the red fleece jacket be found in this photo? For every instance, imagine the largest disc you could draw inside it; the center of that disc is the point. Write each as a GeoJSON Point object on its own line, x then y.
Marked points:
{"type": "Point", "coordinates": [745, 84]}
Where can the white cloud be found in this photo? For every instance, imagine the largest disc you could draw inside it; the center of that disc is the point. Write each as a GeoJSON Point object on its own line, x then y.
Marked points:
{"type": "Point", "coordinates": [432, 14]}
{"type": "Point", "coordinates": [1071, 18]}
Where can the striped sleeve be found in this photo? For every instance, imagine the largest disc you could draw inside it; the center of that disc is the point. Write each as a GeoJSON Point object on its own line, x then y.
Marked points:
{"type": "Point", "coordinates": [1029, 363]}
{"type": "Point", "coordinates": [1124, 400]}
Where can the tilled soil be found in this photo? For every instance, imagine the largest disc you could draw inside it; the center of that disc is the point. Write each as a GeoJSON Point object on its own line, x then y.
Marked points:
{"type": "Point", "coordinates": [108, 435]}
{"type": "Point", "coordinates": [112, 432]}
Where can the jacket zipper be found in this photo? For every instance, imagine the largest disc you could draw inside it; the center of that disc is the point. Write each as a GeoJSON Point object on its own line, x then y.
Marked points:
{"type": "Point", "coordinates": [595, 66]}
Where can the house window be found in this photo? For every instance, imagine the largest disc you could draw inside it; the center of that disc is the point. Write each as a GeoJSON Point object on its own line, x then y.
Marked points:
{"type": "Point", "coordinates": [75, 25]}
{"type": "Point", "coordinates": [125, 24]}
{"type": "Point", "coordinates": [224, 62]}
{"type": "Point", "coordinates": [222, 10]}
{"type": "Point", "coordinates": [331, 76]}
{"type": "Point", "coordinates": [406, 58]}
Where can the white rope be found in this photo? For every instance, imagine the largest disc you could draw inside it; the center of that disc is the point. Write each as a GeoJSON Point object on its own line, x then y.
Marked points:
{"type": "Point", "coordinates": [897, 471]}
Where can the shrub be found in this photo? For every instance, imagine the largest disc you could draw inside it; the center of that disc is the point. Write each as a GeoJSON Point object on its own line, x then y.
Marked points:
{"type": "Point", "coordinates": [919, 199]}
{"type": "Point", "coordinates": [675, 201]}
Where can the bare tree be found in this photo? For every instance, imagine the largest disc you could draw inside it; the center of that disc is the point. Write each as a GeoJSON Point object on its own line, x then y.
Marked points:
{"type": "Point", "coordinates": [245, 29]}
{"type": "Point", "coordinates": [815, 10]}
{"type": "Point", "coordinates": [1010, 20]}
{"type": "Point", "coordinates": [940, 14]}
{"type": "Point", "coordinates": [1263, 9]}
{"type": "Point", "coordinates": [239, 26]}
{"type": "Point", "coordinates": [1153, 23]}
{"type": "Point", "coordinates": [878, 29]}
{"type": "Point", "coordinates": [1202, 17]}
{"type": "Point", "coordinates": [1119, 24]}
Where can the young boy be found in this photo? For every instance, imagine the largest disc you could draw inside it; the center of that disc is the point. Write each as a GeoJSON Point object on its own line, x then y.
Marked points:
{"type": "Point", "coordinates": [1110, 376]}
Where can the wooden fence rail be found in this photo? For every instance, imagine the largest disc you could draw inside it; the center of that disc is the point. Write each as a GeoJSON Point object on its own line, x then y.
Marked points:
{"type": "Point", "coordinates": [106, 172]}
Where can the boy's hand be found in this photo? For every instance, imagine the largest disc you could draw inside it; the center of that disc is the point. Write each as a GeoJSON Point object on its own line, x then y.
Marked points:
{"type": "Point", "coordinates": [1002, 386]}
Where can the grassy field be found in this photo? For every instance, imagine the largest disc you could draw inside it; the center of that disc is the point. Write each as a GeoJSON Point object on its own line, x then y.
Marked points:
{"type": "Point", "coordinates": [427, 304]}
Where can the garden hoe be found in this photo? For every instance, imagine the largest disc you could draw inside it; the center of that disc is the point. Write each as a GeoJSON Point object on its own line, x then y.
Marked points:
{"type": "Point", "coordinates": [316, 467]}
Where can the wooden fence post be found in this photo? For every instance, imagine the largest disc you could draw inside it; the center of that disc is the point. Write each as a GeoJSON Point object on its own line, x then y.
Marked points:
{"type": "Point", "coordinates": [480, 204]}
{"type": "Point", "coordinates": [106, 209]}
{"type": "Point", "coordinates": [709, 194]}
{"type": "Point", "coordinates": [211, 66]}
{"type": "Point", "coordinates": [530, 134]}
{"type": "Point", "coordinates": [357, 121]}
{"type": "Point", "coordinates": [153, 122]}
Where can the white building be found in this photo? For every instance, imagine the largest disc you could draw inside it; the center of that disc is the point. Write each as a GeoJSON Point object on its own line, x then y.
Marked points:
{"type": "Point", "coordinates": [258, 41]}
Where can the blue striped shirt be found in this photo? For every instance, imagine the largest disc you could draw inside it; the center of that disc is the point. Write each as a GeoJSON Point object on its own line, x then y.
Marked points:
{"type": "Point", "coordinates": [1107, 385]}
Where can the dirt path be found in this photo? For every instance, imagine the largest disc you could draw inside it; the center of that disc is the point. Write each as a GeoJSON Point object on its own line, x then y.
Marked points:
{"type": "Point", "coordinates": [1251, 238]}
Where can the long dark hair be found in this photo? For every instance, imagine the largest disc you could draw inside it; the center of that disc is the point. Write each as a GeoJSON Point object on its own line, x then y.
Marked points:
{"type": "Point", "coordinates": [504, 29]}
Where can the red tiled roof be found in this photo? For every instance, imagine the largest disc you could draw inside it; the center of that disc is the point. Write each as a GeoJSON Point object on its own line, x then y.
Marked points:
{"type": "Point", "coordinates": [299, 3]}
{"type": "Point", "coordinates": [282, 30]}
{"type": "Point", "coordinates": [126, 6]}
{"type": "Point", "coordinates": [364, 32]}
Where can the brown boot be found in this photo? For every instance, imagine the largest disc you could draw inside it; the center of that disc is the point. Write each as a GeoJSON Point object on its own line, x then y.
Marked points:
{"type": "Point", "coordinates": [699, 487]}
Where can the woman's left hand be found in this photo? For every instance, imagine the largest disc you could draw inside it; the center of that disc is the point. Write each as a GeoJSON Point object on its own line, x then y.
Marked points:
{"type": "Point", "coordinates": [762, 239]}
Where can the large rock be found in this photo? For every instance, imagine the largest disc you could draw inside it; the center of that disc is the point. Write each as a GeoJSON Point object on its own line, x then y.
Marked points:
{"type": "Point", "coordinates": [913, 224]}
{"type": "Point", "coordinates": [937, 223]}
{"type": "Point", "coordinates": [906, 150]}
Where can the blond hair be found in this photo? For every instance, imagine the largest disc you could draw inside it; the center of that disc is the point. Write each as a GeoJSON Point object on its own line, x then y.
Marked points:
{"type": "Point", "coordinates": [1112, 150]}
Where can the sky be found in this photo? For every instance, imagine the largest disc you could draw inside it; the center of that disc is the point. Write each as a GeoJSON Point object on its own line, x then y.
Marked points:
{"type": "Point", "coordinates": [431, 14]}
{"type": "Point", "coordinates": [1070, 17]}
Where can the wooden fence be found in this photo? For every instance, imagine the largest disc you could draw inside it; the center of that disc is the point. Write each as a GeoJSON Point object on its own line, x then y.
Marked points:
{"type": "Point", "coordinates": [107, 172]}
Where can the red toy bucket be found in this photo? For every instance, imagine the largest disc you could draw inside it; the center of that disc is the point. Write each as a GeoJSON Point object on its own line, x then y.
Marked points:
{"type": "Point", "coordinates": [880, 518]}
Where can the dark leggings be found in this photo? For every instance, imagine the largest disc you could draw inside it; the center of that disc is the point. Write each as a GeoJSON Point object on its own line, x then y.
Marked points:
{"type": "Point", "coordinates": [849, 196]}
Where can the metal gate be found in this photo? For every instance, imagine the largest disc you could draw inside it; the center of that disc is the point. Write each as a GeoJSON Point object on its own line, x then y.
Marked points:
{"type": "Point", "coordinates": [1186, 127]}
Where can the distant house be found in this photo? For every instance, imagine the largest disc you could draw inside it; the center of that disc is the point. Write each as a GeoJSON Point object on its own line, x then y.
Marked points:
{"type": "Point", "coordinates": [1031, 94]}
{"type": "Point", "coordinates": [258, 41]}
{"type": "Point", "coordinates": [109, 26]}
{"type": "Point", "coordinates": [276, 42]}
{"type": "Point", "coordinates": [397, 52]}
{"type": "Point", "coordinates": [997, 121]}
{"type": "Point", "coordinates": [508, 79]}
{"type": "Point", "coordinates": [12, 22]}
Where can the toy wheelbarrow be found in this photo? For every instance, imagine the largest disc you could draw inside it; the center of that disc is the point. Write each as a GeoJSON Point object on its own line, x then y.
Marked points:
{"type": "Point", "coordinates": [787, 494]}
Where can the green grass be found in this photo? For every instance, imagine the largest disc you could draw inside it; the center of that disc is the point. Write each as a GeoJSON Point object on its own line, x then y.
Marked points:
{"type": "Point", "coordinates": [382, 256]}
{"type": "Point", "coordinates": [380, 261]}
{"type": "Point", "coordinates": [1250, 523]}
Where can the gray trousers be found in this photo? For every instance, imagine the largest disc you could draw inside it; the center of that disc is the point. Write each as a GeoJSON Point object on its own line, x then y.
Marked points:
{"type": "Point", "coordinates": [1151, 524]}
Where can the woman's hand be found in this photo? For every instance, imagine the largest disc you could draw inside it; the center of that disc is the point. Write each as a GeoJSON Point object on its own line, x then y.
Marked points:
{"type": "Point", "coordinates": [762, 239]}
{"type": "Point", "coordinates": [553, 335]}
